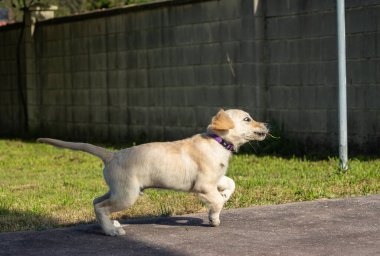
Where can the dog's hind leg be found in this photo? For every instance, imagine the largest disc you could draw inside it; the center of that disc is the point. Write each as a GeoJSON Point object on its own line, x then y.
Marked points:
{"type": "Point", "coordinates": [109, 203]}
{"type": "Point", "coordinates": [226, 187]}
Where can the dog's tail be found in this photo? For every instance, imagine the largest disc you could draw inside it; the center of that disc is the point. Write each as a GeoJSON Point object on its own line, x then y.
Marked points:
{"type": "Point", "coordinates": [102, 153]}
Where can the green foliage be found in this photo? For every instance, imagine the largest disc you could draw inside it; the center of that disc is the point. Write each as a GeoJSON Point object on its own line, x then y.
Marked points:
{"type": "Point", "coordinates": [43, 187]}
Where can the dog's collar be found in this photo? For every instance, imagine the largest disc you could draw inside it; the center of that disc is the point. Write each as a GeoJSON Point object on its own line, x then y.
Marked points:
{"type": "Point", "coordinates": [222, 142]}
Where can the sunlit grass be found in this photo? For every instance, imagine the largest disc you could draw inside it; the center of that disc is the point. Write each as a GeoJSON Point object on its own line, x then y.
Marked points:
{"type": "Point", "coordinates": [43, 187]}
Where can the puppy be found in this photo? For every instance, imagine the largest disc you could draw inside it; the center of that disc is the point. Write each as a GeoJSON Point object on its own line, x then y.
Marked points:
{"type": "Point", "coordinates": [197, 164]}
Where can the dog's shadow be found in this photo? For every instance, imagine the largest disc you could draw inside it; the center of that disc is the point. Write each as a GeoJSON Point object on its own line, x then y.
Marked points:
{"type": "Point", "coordinates": [167, 221]}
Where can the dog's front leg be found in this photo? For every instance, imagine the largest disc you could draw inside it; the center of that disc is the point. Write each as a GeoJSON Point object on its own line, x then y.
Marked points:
{"type": "Point", "coordinates": [215, 203]}
{"type": "Point", "coordinates": [226, 187]}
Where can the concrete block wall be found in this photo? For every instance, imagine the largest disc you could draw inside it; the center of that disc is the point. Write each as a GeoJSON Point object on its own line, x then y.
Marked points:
{"type": "Point", "coordinates": [152, 74]}
{"type": "Point", "coordinates": [302, 71]}
{"type": "Point", "coordinates": [11, 116]}
{"type": "Point", "coordinates": [161, 71]}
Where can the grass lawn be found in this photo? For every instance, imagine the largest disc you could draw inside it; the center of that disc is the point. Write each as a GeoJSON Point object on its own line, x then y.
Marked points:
{"type": "Point", "coordinates": [43, 187]}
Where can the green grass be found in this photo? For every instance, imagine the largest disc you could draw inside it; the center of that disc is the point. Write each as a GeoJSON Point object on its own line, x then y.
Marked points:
{"type": "Point", "coordinates": [43, 187]}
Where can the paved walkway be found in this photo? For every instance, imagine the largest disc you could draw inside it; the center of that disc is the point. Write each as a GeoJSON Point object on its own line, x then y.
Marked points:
{"type": "Point", "coordinates": [325, 227]}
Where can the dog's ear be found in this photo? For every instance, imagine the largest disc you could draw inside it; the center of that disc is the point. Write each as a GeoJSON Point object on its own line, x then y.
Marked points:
{"type": "Point", "coordinates": [221, 122]}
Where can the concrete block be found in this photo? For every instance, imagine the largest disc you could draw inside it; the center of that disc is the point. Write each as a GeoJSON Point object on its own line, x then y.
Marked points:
{"type": "Point", "coordinates": [317, 24]}
{"type": "Point", "coordinates": [211, 53]}
{"type": "Point", "coordinates": [157, 58]}
{"type": "Point", "coordinates": [220, 96]}
{"type": "Point", "coordinates": [174, 97]}
{"type": "Point", "coordinates": [361, 20]}
{"type": "Point", "coordinates": [287, 27]}
{"type": "Point", "coordinates": [274, 8]}
{"type": "Point", "coordinates": [361, 46]}
{"type": "Point", "coordinates": [154, 38]}
{"type": "Point", "coordinates": [6, 98]}
{"type": "Point", "coordinates": [98, 62]}
{"type": "Point", "coordinates": [215, 31]}
{"type": "Point", "coordinates": [115, 24]}
{"type": "Point", "coordinates": [139, 40]}
{"type": "Point", "coordinates": [230, 30]}
{"type": "Point", "coordinates": [177, 56]}
{"type": "Point", "coordinates": [117, 97]}
{"type": "Point", "coordinates": [168, 36]}
{"type": "Point", "coordinates": [211, 10]}
{"type": "Point", "coordinates": [97, 26]}
{"type": "Point", "coordinates": [329, 48]}
{"type": "Point", "coordinates": [201, 33]}
{"type": "Point", "coordinates": [53, 32]}
{"type": "Point", "coordinates": [81, 80]}
{"type": "Point", "coordinates": [249, 74]}
{"type": "Point", "coordinates": [156, 118]}
{"type": "Point", "coordinates": [231, 52]}
{"type": "Point", "coordinates": [67, 64]}
{"type": "Point", "coordinates": [113, 41]}
{"type": "Point", "coordinates": [203, 75]}
{"type": "Point", "coordinates": [137, 116]}
{"type": "Point", "coordinates": [186, 118]}
{"type": "Point", "coordinates": [96, 44]}
{"type": "Point", "coordinates": [116, 115]}
{"type": "Point", "coordinates": [99, 132]}
{"type": "Point", "coordinates": [80, 114]}
{"type": "Point", "coordinates": [54, 48]}
{"type": "Point", "coordinates": [135, 97]}
{"type": "Point", "coordinates": [141, 79]}
{"type": "Point", "coordinates": [54, 113]}
{"type": "Point", "coordinates": [155, 78]}
{"type": "Point", "coordinates": [252, 51]}
{"type": "Point", "coordinates": [52, 80]}
{"type": "Point", "coordinates": [80, 131]}
{"type": "Point", "coordinates": [99, 98]}
{"type": "Point", "coordinates": [80, 63]}
{"type": "Point", "coordinates": [154, 97]}
{"type": "Point", "coordinates": [99, 114]}
{"type": "Point", "coordinates": [170, 77]}
{"type": "Point", "coordinates": [80, 97]}
{"type": "Point", "coordinates": [131, 59]}
{"type": "Point", "coordinates": [79, 45]}
{"type": "Point", "coordinates": [112, 61]}
{"type": "Point", "coordinates": [183, 34]}
{"type": "Point", "coordinates": [142, 58]}
{"type": "Point", "coordinates": [364, 97]}
{"type": "Point", "coordinates": [361, 71]}
{"type": "Point", "coordinates": [230, 9]}
{"type": "Point", "coordinates": [53, 97]}
{"type": "Point", "coordinates": [51, 65]}
{"type": "Point", "coordinates": [185, 76]}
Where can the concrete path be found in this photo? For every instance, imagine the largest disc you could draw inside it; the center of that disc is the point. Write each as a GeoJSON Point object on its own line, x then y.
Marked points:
{"type": "Point", "coordinates": [326, 227]}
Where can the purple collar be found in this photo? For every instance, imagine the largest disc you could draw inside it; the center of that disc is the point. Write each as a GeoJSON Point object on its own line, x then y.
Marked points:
{"type": "Point", "coordinates": [222, 142]}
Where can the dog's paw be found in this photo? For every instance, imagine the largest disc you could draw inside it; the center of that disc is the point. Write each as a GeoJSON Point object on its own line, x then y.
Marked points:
{"type": "Point", "coordinates": [115, 232]}
{"type": "Point", "coordinates": [116, 224]}
{"type": "Point", "coordinates": [214, 222]}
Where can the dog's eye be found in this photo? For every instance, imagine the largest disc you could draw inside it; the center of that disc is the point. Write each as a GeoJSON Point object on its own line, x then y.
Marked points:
{"type": "Point", "coordinates": [247, 119]}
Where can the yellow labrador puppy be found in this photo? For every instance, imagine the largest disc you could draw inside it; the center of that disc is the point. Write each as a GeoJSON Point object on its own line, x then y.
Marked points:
{"type": "Point", "coordinates": [197, 164]}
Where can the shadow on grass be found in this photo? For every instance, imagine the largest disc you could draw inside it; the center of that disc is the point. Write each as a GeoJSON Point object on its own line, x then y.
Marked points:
{"type": "Point", "coordinates": [11, 221]}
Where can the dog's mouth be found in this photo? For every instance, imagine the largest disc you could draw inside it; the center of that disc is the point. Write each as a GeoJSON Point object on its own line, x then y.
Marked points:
{"type": "Point", "coordinates": [260, 134]}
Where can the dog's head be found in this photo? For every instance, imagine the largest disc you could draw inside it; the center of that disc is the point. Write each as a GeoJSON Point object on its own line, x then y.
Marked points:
{"type": "Point", "coordinates": [237, 127]}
